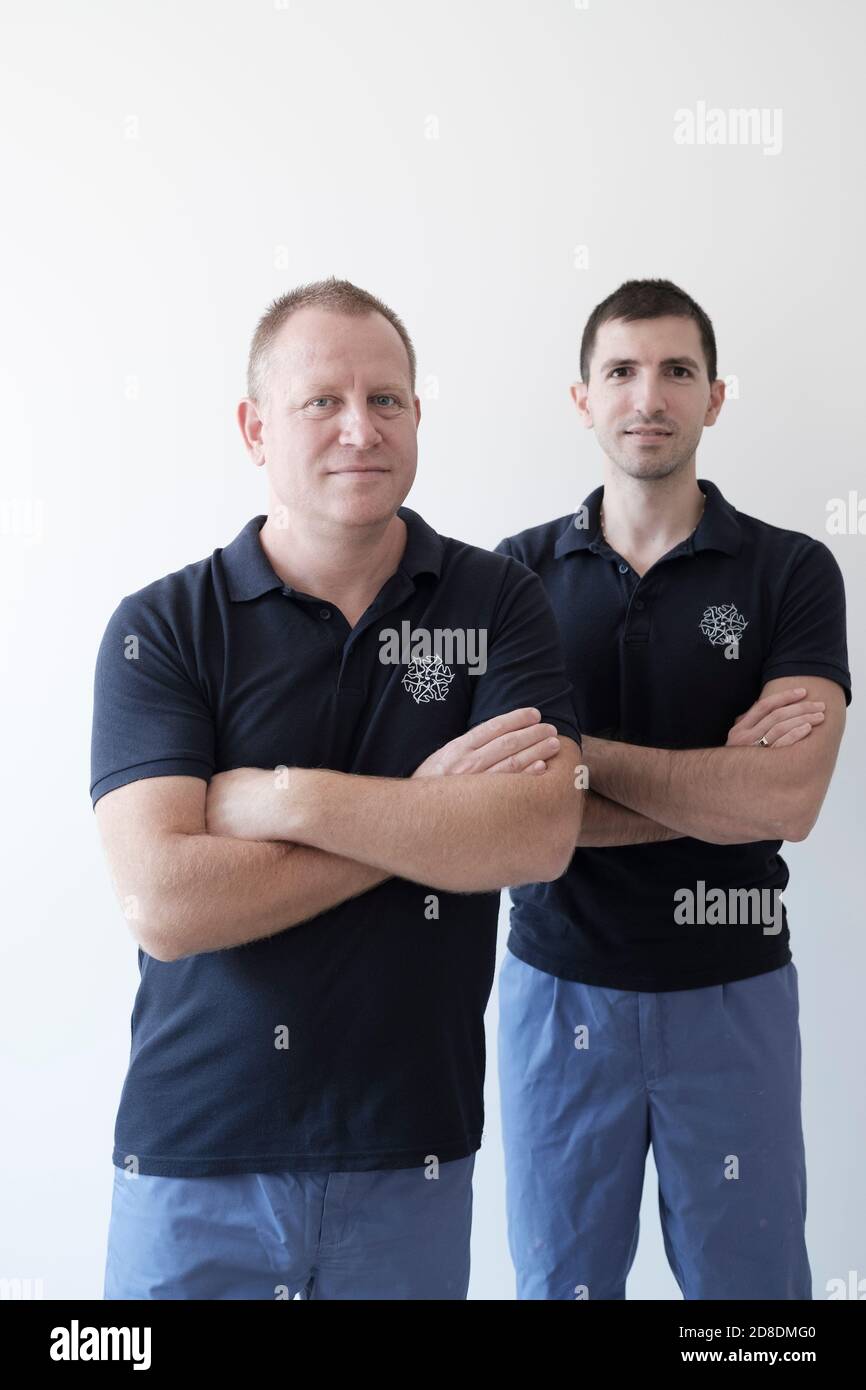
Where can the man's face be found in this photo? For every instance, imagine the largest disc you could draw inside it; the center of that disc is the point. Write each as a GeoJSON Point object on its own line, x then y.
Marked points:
{"type": "Point", "coordinates": [337, 432]}
{"type": "Point", "coordinates": [649, 396]}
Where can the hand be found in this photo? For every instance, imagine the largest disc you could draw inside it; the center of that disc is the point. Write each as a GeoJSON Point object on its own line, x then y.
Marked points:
{"type": "Point", "coordinates": [240, 803]}
{"type": "Point", "coordinates": [782, 719]}
{"type": "Point", "coordinates": [513, 742]}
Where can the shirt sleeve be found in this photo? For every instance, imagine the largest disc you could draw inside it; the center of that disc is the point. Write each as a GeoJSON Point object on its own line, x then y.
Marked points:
{"type": "Point", "coordinates": [525, 665]}
{"type": "Point", "coordinates": [810, 636]}
{"type": "Point", "coordinates": [150, 718]}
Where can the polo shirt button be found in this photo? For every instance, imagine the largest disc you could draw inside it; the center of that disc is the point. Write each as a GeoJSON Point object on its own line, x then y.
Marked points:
{"type": "Point", "coordinates": [623, 569]}
{"type": "Point", "coordinates": [324, 612]}
{"type": "Point", "coordinates": [638, 603]}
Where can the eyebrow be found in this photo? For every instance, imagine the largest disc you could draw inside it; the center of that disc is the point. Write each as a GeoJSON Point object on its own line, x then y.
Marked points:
{"type": "Point", "coordinates": [633, 362]}
{"type": "Point", "coordinates": [324, 388]}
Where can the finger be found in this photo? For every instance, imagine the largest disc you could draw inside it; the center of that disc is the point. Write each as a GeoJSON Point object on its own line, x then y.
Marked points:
{"type": "Point", "coordinates": [784, 726]}
{"type": "Point", "coordinates": [501, 724]}
{"type": "Point", "coordinates": [774, 722]}
{"type": "Point", "coordinates": [793, 737]}
{"type": "Point", "coordinates": [768, 703]}
{"type": "Point", "coordinates": [518, 744]}
{"type": "Point", "coordinates": [462, 753]}
{"type": "Point", "coordinates": [525, 758]}
{"type": "Point", "coordinates": [741, 734]}
{"type": "Point", "coordinates": [521, 762]}
{"type": "Point", "coordinates": [763, 710]}
{"type": "Point", "coordinates": [802, 711]}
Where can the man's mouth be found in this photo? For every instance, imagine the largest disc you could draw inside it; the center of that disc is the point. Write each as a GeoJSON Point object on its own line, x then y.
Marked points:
{"type": "Point", "coordinates": [652, 432]}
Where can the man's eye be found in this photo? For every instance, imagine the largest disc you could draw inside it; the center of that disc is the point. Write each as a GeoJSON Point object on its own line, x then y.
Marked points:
{"type": "Point", "coordinates": [384, 396]}
{"type": "Point", "coordinates": [675, 368]}
{"type": "Point", "coordinates": [319, 400]}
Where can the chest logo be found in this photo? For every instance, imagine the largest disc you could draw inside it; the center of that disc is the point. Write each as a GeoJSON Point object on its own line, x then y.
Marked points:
{"type": "Point", "coordinates": [722, 625]}
{"type": "Point", "coordinates": [427, 678]}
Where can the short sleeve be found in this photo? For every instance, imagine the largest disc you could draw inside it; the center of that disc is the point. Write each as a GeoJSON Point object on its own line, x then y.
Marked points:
{"type": "Point", "coordinates": [810, 635]}
{"type": "Point", "coordinates": [525, 665]}
{"type": "Point", "coordinates": [150, 718]}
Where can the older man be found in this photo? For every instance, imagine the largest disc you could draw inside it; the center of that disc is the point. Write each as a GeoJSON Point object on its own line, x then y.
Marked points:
{"type": "Point", "coordinates": [294, 822]}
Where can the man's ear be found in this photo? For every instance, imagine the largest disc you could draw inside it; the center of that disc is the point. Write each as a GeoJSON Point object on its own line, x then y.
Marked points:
{"type": "Point", "coordinates": [717, 397]}
{"type": "Point", "coordinates": [579, 392]}
{"type": "Point", "coordinates": [250, 422]}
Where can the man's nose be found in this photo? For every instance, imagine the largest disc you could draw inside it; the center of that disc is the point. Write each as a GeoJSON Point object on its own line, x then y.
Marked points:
{"type": "Point", "coordinates": [649, 398]}
{"type": "Point", "coordinates": [359, 428]}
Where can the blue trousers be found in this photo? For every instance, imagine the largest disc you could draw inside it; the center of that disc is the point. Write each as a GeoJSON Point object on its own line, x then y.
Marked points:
{"type": "Point", "coordinates": [386, 1234]}
{"type": "Point", "coordinates": [590, 1077]}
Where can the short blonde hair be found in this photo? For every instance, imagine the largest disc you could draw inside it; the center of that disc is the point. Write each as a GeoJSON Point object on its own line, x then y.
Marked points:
{"type": "Point", "coordinates": [341, 297]}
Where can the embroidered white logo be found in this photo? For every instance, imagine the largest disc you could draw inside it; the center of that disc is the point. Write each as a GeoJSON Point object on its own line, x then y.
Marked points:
{"type": "Point", "coordinates": [427, 678]}
{"type": "Point", "coordinates": [722, 624]}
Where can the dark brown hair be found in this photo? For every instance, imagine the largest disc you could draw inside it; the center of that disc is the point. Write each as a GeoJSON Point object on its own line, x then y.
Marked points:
{"type": "Point", "coordinates": [647, 299]}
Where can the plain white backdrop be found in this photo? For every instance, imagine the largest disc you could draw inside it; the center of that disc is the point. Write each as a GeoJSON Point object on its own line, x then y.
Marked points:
{"type": "Point", "coordinates": [492, 171]}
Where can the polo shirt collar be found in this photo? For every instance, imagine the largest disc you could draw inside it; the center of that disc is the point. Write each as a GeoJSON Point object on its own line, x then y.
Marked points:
{"type": "Point", "coordinates": [424, 546]}
{"type": "Point", "coordinates": [249, 572]}
{"type": "Point", "coordinates": [718, 529]}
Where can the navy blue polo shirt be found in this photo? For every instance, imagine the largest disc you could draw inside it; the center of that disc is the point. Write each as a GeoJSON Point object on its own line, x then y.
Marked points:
{"type": "Point", "coordinates": [669, 660]}
{"type": "Point", "coordinates": [382, 997]}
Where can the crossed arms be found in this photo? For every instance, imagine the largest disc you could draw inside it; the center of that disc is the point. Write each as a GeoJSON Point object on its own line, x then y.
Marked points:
{"type": "Point", "coordinates": [730, 795]}
{"type": "Point", "coordinates": [203, 868]}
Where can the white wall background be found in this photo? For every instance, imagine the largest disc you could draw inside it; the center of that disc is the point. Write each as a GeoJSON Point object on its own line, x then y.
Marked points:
{"type": "Point", "coordinates": [171, 167]}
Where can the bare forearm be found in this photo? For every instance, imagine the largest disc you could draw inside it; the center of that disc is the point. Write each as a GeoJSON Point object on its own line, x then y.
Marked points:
{"type": "Point", "coordinates": [210, 892]}
{"type": "Point", "coordinates": [606, 823]}
{"type": "Point", "coordinates": [460, 833]}
{"type": "Point", "coordinates": [721, 795]}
